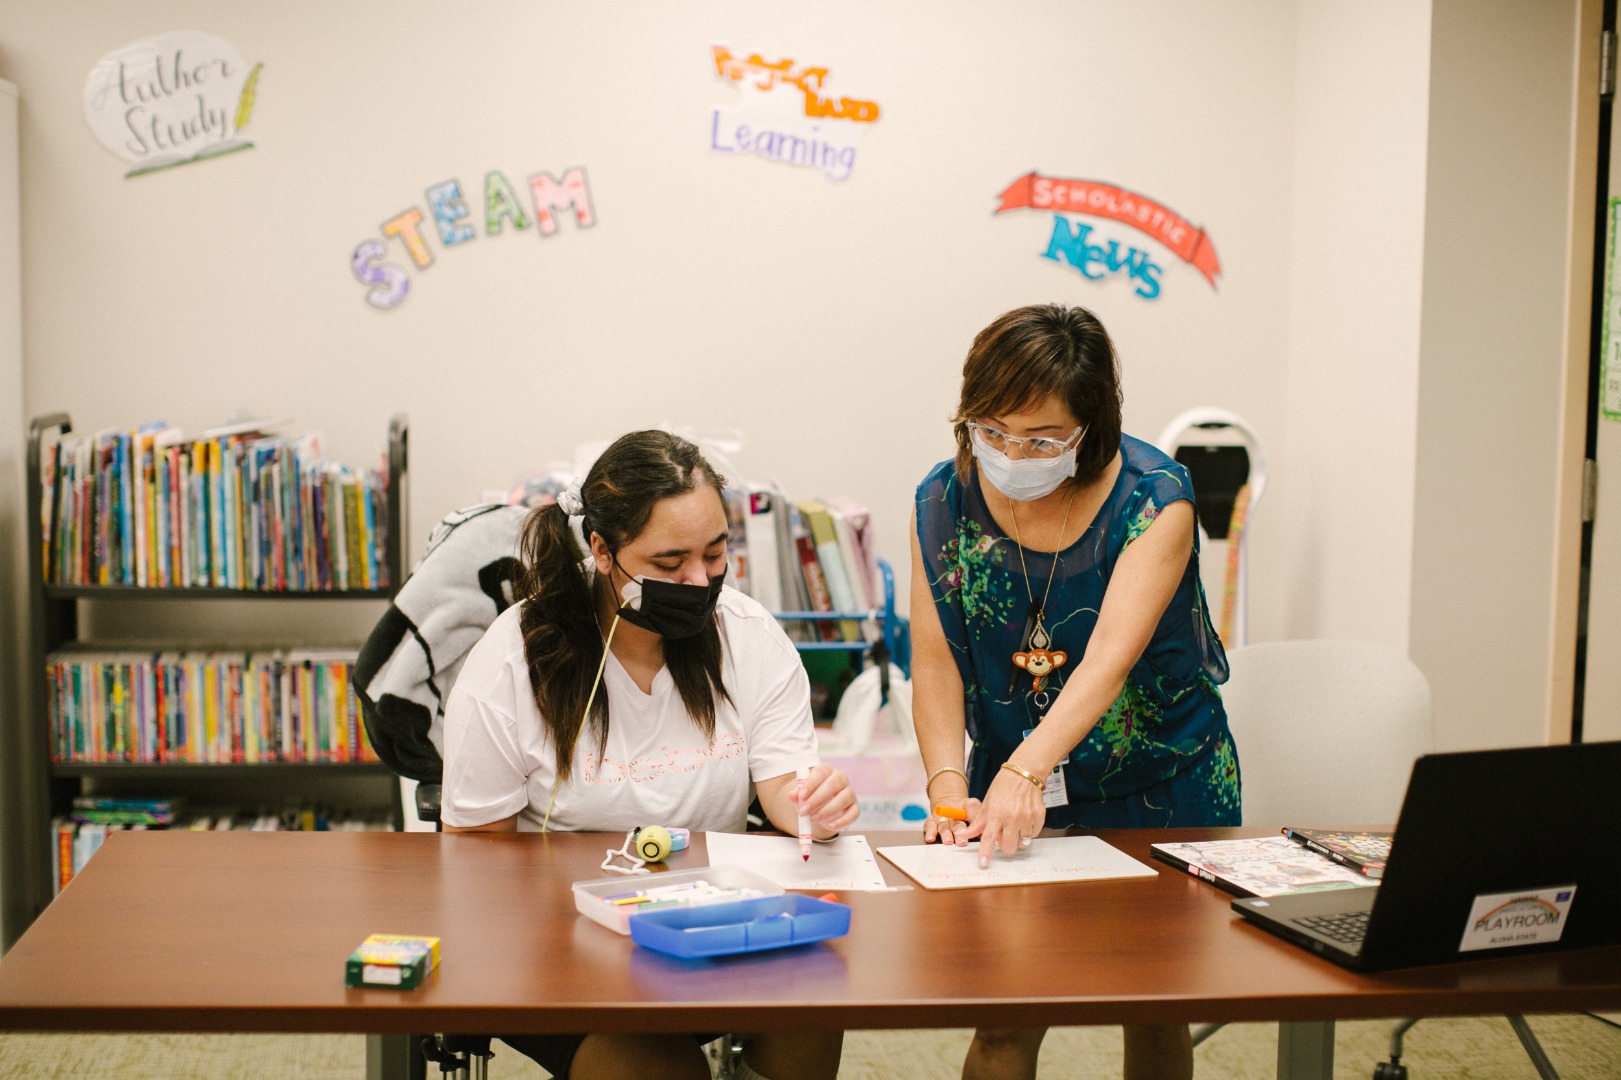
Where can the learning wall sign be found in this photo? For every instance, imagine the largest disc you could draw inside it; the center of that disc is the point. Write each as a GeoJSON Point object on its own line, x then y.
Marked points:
{"type": "Point", "coordinates": [786, 114]}
{"type": "Point", "coordinates": [1086, 215]}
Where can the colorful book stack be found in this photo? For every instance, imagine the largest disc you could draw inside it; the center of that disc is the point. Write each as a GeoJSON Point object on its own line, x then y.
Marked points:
{"type": "Point", "coordinates": [78, 836]}
{"type": "Point", "coordinates": [239, 508]}
{"type": "Point", "coordinates": [212, 707]}
{"type": "Point", "coordinates": [813, 555]}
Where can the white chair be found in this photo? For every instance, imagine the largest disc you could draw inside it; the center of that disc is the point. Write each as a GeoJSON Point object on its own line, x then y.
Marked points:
{"type": "Point", "coordinates": [1327, 731]}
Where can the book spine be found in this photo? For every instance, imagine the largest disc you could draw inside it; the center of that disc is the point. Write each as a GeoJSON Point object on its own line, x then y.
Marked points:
{"type": "Point", "coordinates": [357, 563]}
{"type": "Point", "coordinates": [230, 480]}
{"type": "Point", "coordinates": [820, 600]}
{"type": "Point", "coordinates": [233, 685]}
{"type": "Point", "coordinates": [126, 495]}
{"type": "Point", "coordinates": [64, 854]}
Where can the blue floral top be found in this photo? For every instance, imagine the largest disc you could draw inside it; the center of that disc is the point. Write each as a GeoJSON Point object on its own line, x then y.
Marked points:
{"type": "Point", "coordinates": [1161, 754]}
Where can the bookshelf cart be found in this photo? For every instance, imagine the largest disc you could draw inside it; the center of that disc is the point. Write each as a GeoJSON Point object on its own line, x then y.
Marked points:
{"type": "Point", "coordinates": [891, 640]}
{"type": "Point", "coordinates": [46, 788]}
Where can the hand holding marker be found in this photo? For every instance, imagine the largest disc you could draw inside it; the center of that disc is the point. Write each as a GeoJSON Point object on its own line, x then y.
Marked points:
{"type": "Point", "coordinates": [800, 776]}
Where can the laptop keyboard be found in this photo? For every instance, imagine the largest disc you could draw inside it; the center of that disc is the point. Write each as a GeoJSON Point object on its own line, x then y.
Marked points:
{"type": "Point", "coordinates": [1349, 928]}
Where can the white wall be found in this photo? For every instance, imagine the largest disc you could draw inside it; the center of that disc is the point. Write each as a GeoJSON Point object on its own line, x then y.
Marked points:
{"type": "Point", "coordinates": [827, 321]}
{"type": "Point", "coordinates": [1496, 247]}
{"type": "Point", "coordinates": [1341, 550]}
{"type": "Point", "coordinates": [1366, 198]}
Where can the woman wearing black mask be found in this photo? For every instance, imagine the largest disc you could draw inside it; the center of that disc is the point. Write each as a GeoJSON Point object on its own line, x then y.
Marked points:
{"type": "Point", "coordinates": [631, 687]}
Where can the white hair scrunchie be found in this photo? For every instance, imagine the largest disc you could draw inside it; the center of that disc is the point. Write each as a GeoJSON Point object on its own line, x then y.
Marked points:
{"type": "Point", "coordinates": [569, 500]}
{"type": "Point", "coordinates": [572, 504]}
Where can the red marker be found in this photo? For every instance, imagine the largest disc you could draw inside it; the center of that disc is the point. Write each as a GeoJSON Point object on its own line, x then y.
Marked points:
{"type": "Point", "coordinates": [804, 819]}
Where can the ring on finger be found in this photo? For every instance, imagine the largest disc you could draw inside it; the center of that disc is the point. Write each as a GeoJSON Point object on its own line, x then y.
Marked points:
{"type": "Point", "coordinates": [1024, 841]}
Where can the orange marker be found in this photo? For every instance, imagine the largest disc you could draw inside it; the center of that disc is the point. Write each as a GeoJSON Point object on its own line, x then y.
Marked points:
{"type": "Point", "coordinates": [951, 812]}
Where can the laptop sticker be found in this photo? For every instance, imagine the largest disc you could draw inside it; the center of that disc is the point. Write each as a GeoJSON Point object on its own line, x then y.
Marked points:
{"type": "Point", "coordinates": [1506, 920]}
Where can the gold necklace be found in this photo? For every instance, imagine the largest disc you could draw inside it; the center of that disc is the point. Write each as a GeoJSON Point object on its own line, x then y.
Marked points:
{"type": "Point", "coordinates": [1037, 655]}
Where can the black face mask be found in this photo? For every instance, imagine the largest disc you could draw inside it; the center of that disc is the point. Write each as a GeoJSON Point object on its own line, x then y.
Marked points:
{"type": "Point", "coordinates": [670, 609]}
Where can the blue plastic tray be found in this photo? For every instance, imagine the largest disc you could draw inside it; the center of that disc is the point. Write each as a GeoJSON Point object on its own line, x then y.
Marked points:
{"type": "Point", "coordinates": [771, 922]}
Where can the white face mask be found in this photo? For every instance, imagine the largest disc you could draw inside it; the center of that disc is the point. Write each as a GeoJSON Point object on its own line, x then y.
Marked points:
{"type": "Point", "coordinates": [1027, 479]}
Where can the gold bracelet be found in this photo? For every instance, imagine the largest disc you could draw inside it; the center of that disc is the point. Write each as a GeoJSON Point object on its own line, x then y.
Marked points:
{"type": "Point", "coordinates": [936, 773]}
{"type": "Point", "coordinates": [1041, 785]}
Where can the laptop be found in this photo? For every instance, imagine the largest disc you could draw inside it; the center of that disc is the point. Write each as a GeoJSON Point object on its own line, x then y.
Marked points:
{"type": "Point", "coordinates": [1496, 853]}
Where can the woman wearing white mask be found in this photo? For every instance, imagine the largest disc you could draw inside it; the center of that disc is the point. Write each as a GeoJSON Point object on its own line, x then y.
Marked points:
{"type": "Point", "coordinates": [1058, 617]}
{"type": "Point", "coordinates": [631, 687]}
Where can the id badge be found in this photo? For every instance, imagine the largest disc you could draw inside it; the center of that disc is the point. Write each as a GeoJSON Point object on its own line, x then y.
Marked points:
{"type": "Point", "coordinates": [1055, 793]}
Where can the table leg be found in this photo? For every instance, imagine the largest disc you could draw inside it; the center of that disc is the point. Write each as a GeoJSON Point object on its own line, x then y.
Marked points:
{"type": "Point", "coordinates": [390, 1057]}
{"type": "Point", "coordinates": [1306, 1050]}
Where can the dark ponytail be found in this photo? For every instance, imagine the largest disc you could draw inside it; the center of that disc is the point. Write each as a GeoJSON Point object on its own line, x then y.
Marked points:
{"type": "Point", "coordinates": [561, 638]}
{"type": "Point", "coordinates": [561, 642]}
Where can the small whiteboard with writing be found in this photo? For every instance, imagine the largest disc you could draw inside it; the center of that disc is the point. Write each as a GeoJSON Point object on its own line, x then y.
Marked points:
{"type": "Point", "coordinates": [1059, 858]}
{"type": "Point", "coordinates": [845, 863]}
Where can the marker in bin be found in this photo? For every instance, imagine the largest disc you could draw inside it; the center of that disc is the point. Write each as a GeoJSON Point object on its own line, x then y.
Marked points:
{"type": "Point", "coordinates": [687, 892]}
{"type": "Point", "coordinates": [800, 776]}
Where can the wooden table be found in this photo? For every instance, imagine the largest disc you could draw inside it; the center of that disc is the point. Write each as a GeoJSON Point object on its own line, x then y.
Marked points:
{"type": "Point", "coordinates": [230, 932]}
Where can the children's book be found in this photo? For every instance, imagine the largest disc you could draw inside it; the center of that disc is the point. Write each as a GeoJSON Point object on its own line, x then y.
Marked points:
{"type": "Point", "coordinates": [854, 522]}
{"type": "Point", "coordinates": [825, 539]}
{"type": "Point", "coordinates": [811, 571]}
{"type": "Point", "coordinates": [760, 537]}
{"type": "Point", "coordinates": [1260, 866]}
{"type": "Point", "coordinates": [1363, 851]}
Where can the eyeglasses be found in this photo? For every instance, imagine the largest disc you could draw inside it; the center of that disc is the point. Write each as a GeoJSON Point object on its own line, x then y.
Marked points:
{"type": "Point", "coordinates": [1033, 446]}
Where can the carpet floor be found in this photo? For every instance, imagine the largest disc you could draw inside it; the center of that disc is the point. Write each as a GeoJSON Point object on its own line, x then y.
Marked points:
{"type": "Point", "coordinates": [1581, 1047]}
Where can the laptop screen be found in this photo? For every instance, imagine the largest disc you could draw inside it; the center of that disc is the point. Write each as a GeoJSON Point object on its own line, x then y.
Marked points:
{"type": "Point", "coordinates": [1502, 851]}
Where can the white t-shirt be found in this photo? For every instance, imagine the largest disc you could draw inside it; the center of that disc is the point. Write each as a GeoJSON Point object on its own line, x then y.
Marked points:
{"type": "Point", "coordinates": [657, 768]}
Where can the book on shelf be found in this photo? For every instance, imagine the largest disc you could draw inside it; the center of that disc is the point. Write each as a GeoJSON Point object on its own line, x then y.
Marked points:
{"type": "Point", "coordinates": [217, 706]}
{"type": "Point", "coordinates": [795, 590]}
{"type": "Point", "coordinates": [1365, 851]}
{"type": "Point", "coordinates": [830, 559]}
{"type": "Point", "coordinates": [849, 558]}
{"type": "Point", "coordinates": [853, 523]}
{"type": "Point", "coordinates": [810, 568]}
{"type": "Point", "coordinates": [739, 559]}
{"type": "Point", "coordinates": [1259, 866]}
{"type": "Point", "coordinates": [104, 810]}
{"type": "Point", "coordinates": [246, 509]}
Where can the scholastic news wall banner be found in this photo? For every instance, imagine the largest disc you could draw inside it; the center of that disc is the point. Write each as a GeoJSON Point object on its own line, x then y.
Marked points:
{"type": "Point", "coordinates": [170, 100]}
{"type": "Point", "coordinates": [1105, 232]}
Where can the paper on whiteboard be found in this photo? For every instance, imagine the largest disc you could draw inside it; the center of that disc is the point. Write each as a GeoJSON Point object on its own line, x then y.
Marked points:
{"type": "Point", "coordinates": [1059, 858]}
{"type": "Point", "coordinates": [845, 863]}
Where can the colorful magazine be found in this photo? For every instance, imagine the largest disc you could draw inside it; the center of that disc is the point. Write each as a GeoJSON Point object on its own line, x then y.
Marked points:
{"type": "Point", "coordinates": [1260, 866]}
{"type": "Point", "coordinates": [1362, 850]}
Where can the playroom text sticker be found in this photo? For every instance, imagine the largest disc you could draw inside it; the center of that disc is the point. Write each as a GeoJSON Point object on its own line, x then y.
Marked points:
{"type": "Point", "coordinates": [1504, 920]}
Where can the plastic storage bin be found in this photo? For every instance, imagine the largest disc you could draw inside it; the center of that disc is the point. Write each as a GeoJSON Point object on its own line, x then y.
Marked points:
{"type": "Point", "coordinates": [742, 927]}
